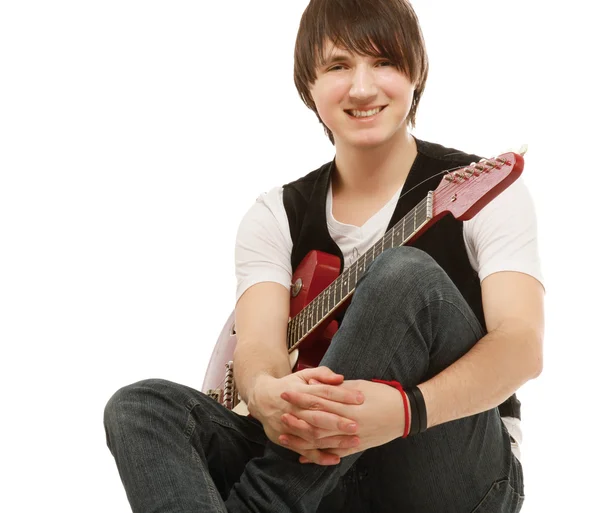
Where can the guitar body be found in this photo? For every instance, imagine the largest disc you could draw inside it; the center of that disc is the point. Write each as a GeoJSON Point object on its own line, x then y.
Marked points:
{"type": "Point", "coordinates": [316, 271]}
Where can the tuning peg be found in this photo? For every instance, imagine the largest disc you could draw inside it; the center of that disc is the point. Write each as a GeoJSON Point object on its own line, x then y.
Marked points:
{"type": "Point", "coordinates": [521, 151]}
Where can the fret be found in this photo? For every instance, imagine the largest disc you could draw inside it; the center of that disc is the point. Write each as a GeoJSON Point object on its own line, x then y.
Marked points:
{"type": "Point", "coordinates": [306, 322]}
{"type": "Point", "coordinates": [321, 305]}
{"type": "Point", "coordinates": [294, 334]}
{"type": "Point", "coordinates": [414, 220]}
{"type": "Point", "coordinates": [334, 294]}
{"type": "Point", "coordinates": [388, 242]}
{"type": "Point", "coordinates": [304, 328]}
{"type": "Point", "coordinates": [295, 331]}
{"type": "Point", "coordinates": [403, 230]}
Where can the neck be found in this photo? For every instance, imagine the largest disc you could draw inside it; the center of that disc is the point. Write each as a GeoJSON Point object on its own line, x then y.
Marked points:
{"type": "Point", "coordinates": [369, 171]}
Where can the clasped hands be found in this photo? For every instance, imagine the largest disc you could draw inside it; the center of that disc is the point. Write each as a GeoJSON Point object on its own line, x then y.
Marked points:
{"type": "Point", "coordinates": [317, 414]}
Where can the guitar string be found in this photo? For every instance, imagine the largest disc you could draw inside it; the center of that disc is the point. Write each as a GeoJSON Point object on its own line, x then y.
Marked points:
{"type": "Point", "coordinates": [417, 208]}
{"type": "Point", "coordinates": [302, 316]}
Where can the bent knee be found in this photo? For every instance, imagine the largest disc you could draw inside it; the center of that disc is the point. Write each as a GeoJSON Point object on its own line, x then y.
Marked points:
{"type": "Point", "coordinates": [129, 401]}
{"type": "Point", "coordinates": [404, 263]}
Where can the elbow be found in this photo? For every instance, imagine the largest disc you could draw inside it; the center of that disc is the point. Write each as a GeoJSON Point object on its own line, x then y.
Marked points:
{"type": "Point", "coordinates": [537, 359]}
{"type": "Point", "coordinates": [537, 369]}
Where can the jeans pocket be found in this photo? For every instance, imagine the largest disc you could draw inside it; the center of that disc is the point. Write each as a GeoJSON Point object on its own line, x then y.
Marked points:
{"type": "Point", "coordinates": [500, 498]}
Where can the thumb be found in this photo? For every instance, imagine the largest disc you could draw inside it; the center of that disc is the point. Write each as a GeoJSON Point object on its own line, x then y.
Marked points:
{"type": "Point", "coordinates": [323, 374]}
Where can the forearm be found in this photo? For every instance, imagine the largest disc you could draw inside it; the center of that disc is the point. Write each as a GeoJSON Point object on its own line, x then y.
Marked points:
{"type": "Point", "coordinates": [252, 360]}
{"type": "Point", "coordinates": [483, 378]}
{"type": "Point", "coordinates": [261, 321]}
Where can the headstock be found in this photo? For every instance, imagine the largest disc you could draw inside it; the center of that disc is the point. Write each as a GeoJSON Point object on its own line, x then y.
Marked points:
{"type": "Point", "coordinates": [465, 191]}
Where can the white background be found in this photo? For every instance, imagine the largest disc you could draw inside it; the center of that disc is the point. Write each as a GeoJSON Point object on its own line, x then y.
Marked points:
{"type": "Point", "coordinates": [134, 136]}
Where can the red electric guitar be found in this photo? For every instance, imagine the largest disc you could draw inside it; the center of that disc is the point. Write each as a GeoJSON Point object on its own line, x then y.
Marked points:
{"type": "Point", "coordinates": [318, 290]}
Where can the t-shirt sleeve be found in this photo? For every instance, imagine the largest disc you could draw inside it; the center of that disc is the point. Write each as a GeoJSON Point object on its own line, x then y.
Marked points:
{"type": "Point", "coordinates": [263, 244]}
{"type": "Point", "coordinates": [503, 235]}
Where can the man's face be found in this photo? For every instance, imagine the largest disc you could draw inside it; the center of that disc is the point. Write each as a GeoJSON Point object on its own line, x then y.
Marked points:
{"type": "Point", "coordinates": [363, 100]}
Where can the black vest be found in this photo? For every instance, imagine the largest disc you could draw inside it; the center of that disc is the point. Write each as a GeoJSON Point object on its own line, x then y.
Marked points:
{"type": "Point", "coordinates": [305, 202]}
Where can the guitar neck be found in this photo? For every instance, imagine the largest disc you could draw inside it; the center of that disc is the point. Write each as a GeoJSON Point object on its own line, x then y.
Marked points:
{"type": "Point", "coordinates": [341, 289]}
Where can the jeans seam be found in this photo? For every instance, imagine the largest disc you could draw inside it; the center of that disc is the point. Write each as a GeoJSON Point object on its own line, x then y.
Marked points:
{"type": "Point", "coordinates": [477, 328]}
{"type": "Point", "coordinates": [214, 495]}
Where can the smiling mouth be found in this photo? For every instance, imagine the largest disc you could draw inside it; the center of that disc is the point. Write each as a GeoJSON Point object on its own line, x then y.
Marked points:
{"type": "Point", "coordinates": [364, 114]}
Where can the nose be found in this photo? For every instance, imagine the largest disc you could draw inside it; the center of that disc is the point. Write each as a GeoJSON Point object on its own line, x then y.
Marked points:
{"type": "Point", "coordinates": [363, 86]}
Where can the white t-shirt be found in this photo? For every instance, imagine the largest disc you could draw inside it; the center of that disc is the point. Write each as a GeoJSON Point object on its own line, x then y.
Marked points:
{"type": "Point", "coordinates": [501, 237]}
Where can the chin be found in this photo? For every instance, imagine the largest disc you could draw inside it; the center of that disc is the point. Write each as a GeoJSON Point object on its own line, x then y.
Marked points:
{"type": "Point", "coordinates": [367, 141]}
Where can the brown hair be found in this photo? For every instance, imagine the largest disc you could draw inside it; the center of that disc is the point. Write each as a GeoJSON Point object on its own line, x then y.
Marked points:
{"type": "Point", "coordinates": [378, 28]}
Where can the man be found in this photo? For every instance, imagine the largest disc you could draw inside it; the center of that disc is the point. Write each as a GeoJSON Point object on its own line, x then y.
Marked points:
{"type": "Point", "coordinates": [454, 324]}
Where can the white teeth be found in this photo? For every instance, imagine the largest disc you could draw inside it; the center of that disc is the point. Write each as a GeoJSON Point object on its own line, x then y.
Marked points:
{"type": "Point", "coordinates": [365, 113]}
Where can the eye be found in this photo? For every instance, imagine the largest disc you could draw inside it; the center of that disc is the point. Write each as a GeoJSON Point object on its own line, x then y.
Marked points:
{"type": "Point", "coordinates": [386, 63]}
{"type": "Point", "coordinates": [337, 67]}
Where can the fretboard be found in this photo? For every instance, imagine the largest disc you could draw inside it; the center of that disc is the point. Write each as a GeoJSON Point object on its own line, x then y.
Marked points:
{"type": "Point", "coordinates": [332, 297]}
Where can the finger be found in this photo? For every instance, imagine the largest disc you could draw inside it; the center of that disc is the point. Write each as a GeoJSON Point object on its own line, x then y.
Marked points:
{"type": "Point", "coordinates": [319, 457]}
{"type": "Point", "coordinates": [344, 452]}
{"type": "Point", "coordinates": [303, 429]}
{"type": "Point", "coordinates": [312, 425]}
{"type": "Point", "coordinates": [307, 403]}
{"type": "Point", "coordinates": [323, 374]}
{"type": "Point", "coordinates": [300, 445]}
{"type": "Point", "coordinates": [336, 393]}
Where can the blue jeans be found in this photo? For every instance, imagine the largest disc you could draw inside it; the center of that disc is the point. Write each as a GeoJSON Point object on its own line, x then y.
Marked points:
{"type": "Point", "coordinates": [178, 451]}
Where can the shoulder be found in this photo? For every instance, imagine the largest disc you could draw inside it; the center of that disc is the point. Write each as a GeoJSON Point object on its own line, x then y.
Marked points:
{"type": "Point", "coordinates": [503, 235]}
{"type": "Point", "coordinates": [267, 207]}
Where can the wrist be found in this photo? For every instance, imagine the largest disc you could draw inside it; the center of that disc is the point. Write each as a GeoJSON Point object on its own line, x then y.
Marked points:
{"type": "Point", "coordinates": [415, 411]}
{"type": "Point", "coordinates": [257, 393]}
